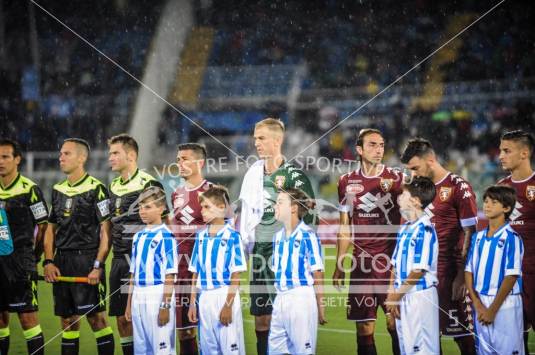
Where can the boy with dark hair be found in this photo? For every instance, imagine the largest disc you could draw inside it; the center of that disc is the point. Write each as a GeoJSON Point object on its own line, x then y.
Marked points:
{"type": "Point", "coordinates": [413, 297]}
{"type": "Point", "coordinates": [154, 265]}
{"type": "Point", "coordinates": [298, 267]}
{"type": "Point", "coordinates": [493, 277]}
{"type": "Point", "coordinates": [216, 263]}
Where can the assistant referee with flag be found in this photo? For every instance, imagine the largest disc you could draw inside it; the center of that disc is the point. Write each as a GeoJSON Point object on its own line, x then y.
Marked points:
{"type": "Point", "coordinates": [79, 230]}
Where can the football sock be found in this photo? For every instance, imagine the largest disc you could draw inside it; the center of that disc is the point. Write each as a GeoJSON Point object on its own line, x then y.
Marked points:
{"type": "Point", "coordinates": [127, 344]}
{"type": "Point", "coordinates": [35, 341]}
{"type": "Point", "coordinates": [105, 343]}
{"type": "Point", "coordinates": [188, 346]}
{"type": "Point", "coordinates": [262, 341]}
{"type": "Point", "coordinates": [70, 342]}
{"type": "Point", "coordinates": [366, 345]}
{"type": "Point", "coordinates": [4, 341]}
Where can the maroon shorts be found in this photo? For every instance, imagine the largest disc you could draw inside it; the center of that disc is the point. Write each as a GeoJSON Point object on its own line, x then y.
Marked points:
{"type": "Point", "coordinates": [528, 299]}
{"type": "Point", "coordinates": [183, 297]}
{"type": "Point", "coordinates": [368, 288]}
{"type": "Point", "coordinates": [455, 316]}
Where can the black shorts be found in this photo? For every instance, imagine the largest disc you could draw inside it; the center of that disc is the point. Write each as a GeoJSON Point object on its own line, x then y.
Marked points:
{"type": "Point", "coordinates": [75, 298]}
{"type": "Point", "coordinates": [262, 289]}
{"type": "Point", "coordinates": [18, 282]}
{"type": "Point", "coordinates": [119, 283]}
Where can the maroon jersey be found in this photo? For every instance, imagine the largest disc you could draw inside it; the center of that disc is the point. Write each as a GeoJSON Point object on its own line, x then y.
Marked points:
{"type": "Point", "coordinates": [453, 208]}
{"type": "Point", "coordinates": [187, 218]}
{"type": "Point", "coordinates": [523, 217]}
{"type": "Point", "coordinates": [371, 202]}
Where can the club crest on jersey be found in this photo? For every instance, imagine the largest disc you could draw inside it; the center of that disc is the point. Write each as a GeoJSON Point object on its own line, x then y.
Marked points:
{"type": "Point", "coordinates": [296, 243]}
{"type": "Point", "coordinates": [354, 189]}
{"type": "Point", "coordinates": [501, 243]}
{"type": "Point", "coordinates": [530, 192]}
{"type": "Point", "coordinates": [68, 206]}
{"type": "Point", "coordinates": [118, 206]}
{"type": "Point", "coordinates": [279, 181]}
{"type": "Point", "coordinates": [444, 193]}
{"type": "Point", "coordinates": [223, 243]}
{"type": "Point", "coordinates": [386, 184]}
{"type": "Point", "coordinates": [178, 202]}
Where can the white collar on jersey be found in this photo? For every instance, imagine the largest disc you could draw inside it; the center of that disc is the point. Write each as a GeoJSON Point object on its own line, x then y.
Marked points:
{"type": "Point", "coordinates": [521, 181]}
{"type": "Point", "coordinates": [359, 170]}
{"type": "Point", "coordinates": [498, 232]}
{"type": "Point", "coordinates": [301, 226]}
{"type": "Point", "coordinates": [196, 187]}
{"type": "Point", "coordinates": [155, 228]}
{"type": "Point", "coordinates": [219, 233]}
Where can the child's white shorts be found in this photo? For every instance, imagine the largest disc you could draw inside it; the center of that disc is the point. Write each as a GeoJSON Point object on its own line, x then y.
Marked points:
{"type": "Point", "coordinates": [214, 337]}
{"type": "Point", "coordinates": [418, 328]}
{"type": "Point", "coordinates": [294, 322]}
{"type": "Point", "coordinates": [149, 338]}
{"type": "Point", "coordinates": [505, 335]}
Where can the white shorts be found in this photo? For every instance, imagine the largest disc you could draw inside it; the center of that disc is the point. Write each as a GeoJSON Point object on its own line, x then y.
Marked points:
{"type": "Point", "coordinates": [294, 322]}
{"type": "Point", "coordinates": [418, 329]}
{"type": "Point", "coordinates": [505, 335]}
{"type": "Point", "coordinates": [214, 337]}
{"type": "Point", "coordinates": [149, 338]}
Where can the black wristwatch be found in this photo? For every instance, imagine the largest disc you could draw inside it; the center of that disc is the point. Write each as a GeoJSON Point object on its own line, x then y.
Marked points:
{"type": "Point", "coordinates": [97, 265]}
{"type": "Point", "coordinates": [47, 261]}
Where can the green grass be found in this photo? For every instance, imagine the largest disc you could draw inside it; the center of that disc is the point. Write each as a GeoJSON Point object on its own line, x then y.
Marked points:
{"type": "Point", "coordinates": [336, 337]}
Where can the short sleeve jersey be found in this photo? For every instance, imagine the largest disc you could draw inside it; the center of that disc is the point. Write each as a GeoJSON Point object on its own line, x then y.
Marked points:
{"type": "Point", "coordinates": [124, 200]}
{"type": "Point", "coordinates": [523, 217]}
{"type": "Point", "coordinates": [187, 218]}
{"type": "Point", "coordinates": [25, 207]}
{"type": "Point", "coordinates": [77, 210]}
{"type": "Point", "coordinates": [371, 202]}
{"type": "Point", "coordinates": [286, 176]}
{"type": "Point", "coordinates": [453, 208]}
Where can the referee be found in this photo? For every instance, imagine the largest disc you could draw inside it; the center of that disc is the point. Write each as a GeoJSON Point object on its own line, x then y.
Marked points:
{"type": "Point", "coordinates": [25, 208]}
{"type": "Point", "coordinates": [124, 201]}
{"type": "Point", "coordinates": [78, 230]}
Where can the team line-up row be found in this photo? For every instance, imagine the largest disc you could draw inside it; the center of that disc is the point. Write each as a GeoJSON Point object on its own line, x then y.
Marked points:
{"type": "Point", "coordinates": [434, 255]}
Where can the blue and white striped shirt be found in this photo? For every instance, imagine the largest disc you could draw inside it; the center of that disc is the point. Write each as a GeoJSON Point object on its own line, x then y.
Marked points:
{"type": "Point", "coordinates": [296, 257]}
{"type": "Point", "coordinates": [214, 259]}
{"type": "Point", "coordinates": [154, 255]}
{"type": "Point", "coordinates": [491, 258]}
{"type": "Point", "coordinates": [416, 249]}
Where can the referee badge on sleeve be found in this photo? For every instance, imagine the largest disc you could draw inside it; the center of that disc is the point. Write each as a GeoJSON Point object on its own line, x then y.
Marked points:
{"type": "Point", "coordinates": [104, 207]}
{"type": "Point", "coordinates": [38, 210]}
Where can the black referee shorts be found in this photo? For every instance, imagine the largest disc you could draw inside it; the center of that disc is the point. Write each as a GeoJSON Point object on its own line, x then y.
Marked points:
{"type": "Point", "coordinates": [18, 282]}
{"type": "Point", "coordinates": [119, 277]}
{"type": "Point", "coordinates": [75, 298]}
